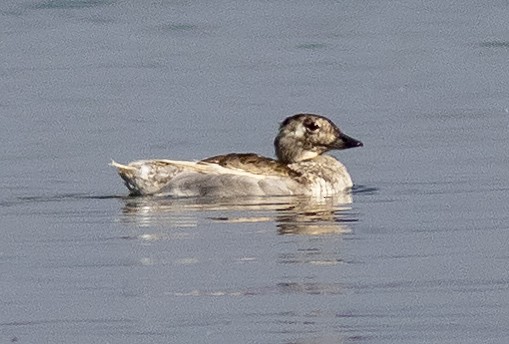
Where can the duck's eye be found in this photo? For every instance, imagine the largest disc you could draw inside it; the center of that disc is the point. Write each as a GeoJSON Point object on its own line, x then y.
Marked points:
{"type": "Point", "coordinates": [311, 126]}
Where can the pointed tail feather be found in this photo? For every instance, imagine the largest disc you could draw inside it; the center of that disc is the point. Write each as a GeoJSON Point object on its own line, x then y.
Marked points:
{"type": "Point", "coordinates": [121, 167]}
{"type": "Point", "coordinates": [127, 173]}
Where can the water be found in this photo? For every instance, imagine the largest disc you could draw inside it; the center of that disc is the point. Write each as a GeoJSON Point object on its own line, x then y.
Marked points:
{"type": "Point", "coordinates": [417, 255]}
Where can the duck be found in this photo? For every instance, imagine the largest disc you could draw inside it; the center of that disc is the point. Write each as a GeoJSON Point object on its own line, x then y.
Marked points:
{"type": "Point", "coordinates": [301, 167]}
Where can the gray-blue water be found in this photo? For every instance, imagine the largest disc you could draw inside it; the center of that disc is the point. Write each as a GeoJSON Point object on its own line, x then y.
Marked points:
{"type": "Point", "coordinates": [420, 255]}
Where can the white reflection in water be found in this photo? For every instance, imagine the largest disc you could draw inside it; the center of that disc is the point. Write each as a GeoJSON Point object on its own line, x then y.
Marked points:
{"type": "Point", "coordinates": [291, 215]}
{"type": "Point", "coordinates": [311, 249]}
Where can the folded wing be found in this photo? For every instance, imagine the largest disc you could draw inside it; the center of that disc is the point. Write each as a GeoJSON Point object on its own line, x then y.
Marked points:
{"type": "Point", "coordinates": [219, 176]}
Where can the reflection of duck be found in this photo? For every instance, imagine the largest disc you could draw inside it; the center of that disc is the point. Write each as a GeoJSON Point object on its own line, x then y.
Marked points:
{"type": "Point", "coordinates": [292, 214]}
{"type": "Point", "coordinates": [316, 216]}
{"type": "Point", "coordinates": [301, 167]}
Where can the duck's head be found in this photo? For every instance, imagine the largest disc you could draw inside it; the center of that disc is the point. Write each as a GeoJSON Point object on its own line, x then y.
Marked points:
{"type": "Point", "coordinates": [305, 136]}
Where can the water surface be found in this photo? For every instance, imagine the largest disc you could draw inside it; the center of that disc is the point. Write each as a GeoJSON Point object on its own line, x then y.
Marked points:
{"type": "Point", "coordinates": [416, 254]}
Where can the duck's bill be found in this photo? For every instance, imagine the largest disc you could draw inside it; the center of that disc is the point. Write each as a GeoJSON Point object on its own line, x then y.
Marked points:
{"type": "Point", "coordinates": [345, 142]}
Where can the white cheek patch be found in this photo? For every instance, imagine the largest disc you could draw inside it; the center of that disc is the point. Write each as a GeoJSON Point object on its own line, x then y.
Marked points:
{"type": "Point", "coordinates": [300, 131]}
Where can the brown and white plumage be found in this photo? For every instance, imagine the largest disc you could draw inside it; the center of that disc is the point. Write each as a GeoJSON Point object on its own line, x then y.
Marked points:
{"type": "Point", "coordinates": [301, 167]}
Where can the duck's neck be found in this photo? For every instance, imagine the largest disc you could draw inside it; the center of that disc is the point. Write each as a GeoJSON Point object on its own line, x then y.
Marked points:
{"type": "Point", "coordinates": [289, 151]}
